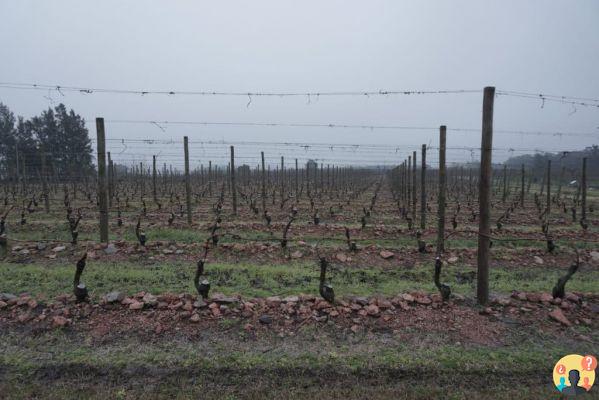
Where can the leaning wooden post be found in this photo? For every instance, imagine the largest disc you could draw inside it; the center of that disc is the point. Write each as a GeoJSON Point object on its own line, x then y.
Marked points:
{"type": "Point", "coordinates": [583, 183]}
{"type": "Point", "coordinates": [522, 188]}
{"type": "Point", "coordinates": [187, 182]}
{"type": "Point", "coordinates": [102, 194]}
{"type": "Point", "coordinates": [484, 197]}
{"type": "Point", "coordinates": [423, 189]}
{"type": "Point", "coordinates": [263, 183]}
{"type": "Point", "coordinates": [442, 180]}
{"type": "Point", "coordinates": [233, 187]}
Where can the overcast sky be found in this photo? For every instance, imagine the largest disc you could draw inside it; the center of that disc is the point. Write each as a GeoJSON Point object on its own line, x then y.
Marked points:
{"type": "Point", "coordinates": [541, 46]}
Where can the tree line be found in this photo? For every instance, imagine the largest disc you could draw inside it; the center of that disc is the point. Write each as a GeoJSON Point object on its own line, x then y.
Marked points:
{"type": "Point", "coordinates": [56, 137]}
{"type": "Point", "coordinates": [571, 161]}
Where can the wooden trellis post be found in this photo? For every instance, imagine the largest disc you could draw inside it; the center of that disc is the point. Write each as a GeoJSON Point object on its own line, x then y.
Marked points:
{"type": "Point", "coordinates": [233, 187]}
{"type": "Point", "coordinates": [583, 204]}
{"type": "Point", "coordinates": [110, 186]}
{"type": "Point", "coordinates": [210, 178]}
{"type": "Point", "coordinates": [187, 181]}
{"type": "Point", "coordinates": [548, 188]}
{"type": "Point", "coordinates": [504, 197]}
{"type": "Point", "coordinates": [414, 187]}
{"type": "Point", "coordinates": [423, 189]}
{"type": "Point", "coordinates": [44, 176]}
{"type": "Point", "coordinates": [409, 184]}
{"type": "Point", "coordinates": [484, 198]}
{"type": "Point", "coordinates": [154, 177]}
{"type": "Point", "coordinates": [102, 195]}
{"type": "Point", "coordinates": [442, 180]}
{"type": "Point", "coordinates": [263, 183]}
{"type": "Point", "coordinates": [522, 187]}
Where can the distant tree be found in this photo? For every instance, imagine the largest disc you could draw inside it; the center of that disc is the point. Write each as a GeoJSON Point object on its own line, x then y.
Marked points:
{"type": "Point", "coordinates": [59, 133]}
{"type": "Point", "coordinates": [7, 140]}
{"type": "Point", "coordinates": [570, 160]}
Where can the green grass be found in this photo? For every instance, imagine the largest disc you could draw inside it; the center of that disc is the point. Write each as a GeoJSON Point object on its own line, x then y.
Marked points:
{"type": "Point", "coordinates": [171, 367]}
{"type": "Point", "coordinates": [265, 280]}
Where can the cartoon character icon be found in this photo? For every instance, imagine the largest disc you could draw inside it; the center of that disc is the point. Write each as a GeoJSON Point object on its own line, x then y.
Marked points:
{"type": "Point", "coordinates": [586, 384]}
{"type": "Point", "coordinates": [574, 378]}
{"type": "Point", "coordinates": [562, 384]}
{"type": "Point", "coordinates": [574, 375]}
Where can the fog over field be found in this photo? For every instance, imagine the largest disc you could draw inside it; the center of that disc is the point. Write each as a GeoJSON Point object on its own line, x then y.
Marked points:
{"type": "Point", "coordinates": [539, 47]}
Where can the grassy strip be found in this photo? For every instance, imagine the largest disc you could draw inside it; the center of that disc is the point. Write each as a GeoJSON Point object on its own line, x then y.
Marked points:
{"type": "Point", "coordinates": [267, 280]}
{"type": "Point", "coordinates": [216, 366]}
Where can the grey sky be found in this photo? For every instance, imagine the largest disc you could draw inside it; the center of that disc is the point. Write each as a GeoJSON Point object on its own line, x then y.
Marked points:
{"type": "Point", "coordinates": [541, 46]}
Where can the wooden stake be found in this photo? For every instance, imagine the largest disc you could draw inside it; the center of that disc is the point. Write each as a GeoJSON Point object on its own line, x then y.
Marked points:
{"type": "Point", "coordinates": [154, 176]}
{"type": "Point", "coordinates": [414, 187]}
{"type": "Point", "coordinates": [522, 188]}
{"type": "Point", "coordinates": [187, 181]}
{"type": "Point", "coordinates": [583, 204]}
{"type": "Point", "coordinates": [233, 187]}
{"type": "Point", "coordinates": [423, 189]}
{"type": "Point", "coordinates": [484, 197]}
{"type": "Point", "coordinates": [263, 183]}
{"type": "Point", "coordinates": [44, 177]}
{"type": "Point", "coordinates": [102, 194]}
{"type": "Point", "coordinates": [548, 189]}
{"type": "Point", "coordinates": [442, 180]}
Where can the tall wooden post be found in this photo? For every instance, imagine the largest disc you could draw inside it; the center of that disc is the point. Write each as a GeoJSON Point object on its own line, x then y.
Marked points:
{"type": "Point", "coordinates": [522, 187]}
{"type": "Point", "coordinates": [17, 165]}
{"type": "Point", "coordinates": [442, 180]}
{"type": "Point", "coordinates": [142, 179]}
{"type": "Point", "coordinates": [102, 194]}
{"type": "Point", "coordinates": [548, 188]}
{"type": "Point", "coordinates": [484, 197]}
{"type": "Point", "coordinates": [414, 187]}
{"type": "Point", "coordinates": [187, 181]}
{"type": "Point", "coordinates": [282, 177]}
{"type": "Point", "coordinates": [233, 187]}
{"type": "Point", "coordinates": [263, 183]}
{"type": "Point", "coordinates": [504, 197]}
{"type": "Point", "coordinates": [409, 183]}
{"type": "Point", "coordinates": [583, 204]}
{"type": "Point", "coordinates": [406, 185]}
{"type": "Point", "coordinates": [154, 176]}
{"type": "Point", "coordinates": [296, 181]}
{"type": "Point", "coordinates": [210, 178]}
{"type": "Point", "coordinates": [423, 189]}
{"type": "Point", "coordinates": [110, 180]}
{"type": "Point", "coordinates": [44, 178]}
{"type": "Point", "coordinates": [321, 176]}
{"type": "Point", "coordinates": [559, 183]}
{"type": "Point", "coordinates": [470, 181]}
{"type": "Point", "coordinates": [25, 178]}
{"type": "Point", "coordinates": [308, 179]}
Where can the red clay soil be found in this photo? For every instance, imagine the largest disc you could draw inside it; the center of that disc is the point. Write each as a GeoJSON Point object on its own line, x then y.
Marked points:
{"type": "Point", "coordinates": [409, 314]}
